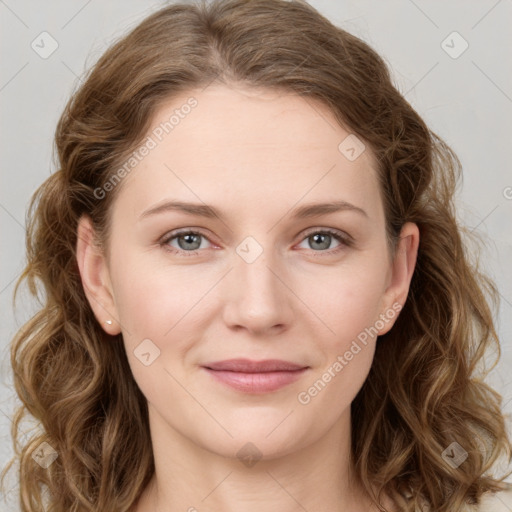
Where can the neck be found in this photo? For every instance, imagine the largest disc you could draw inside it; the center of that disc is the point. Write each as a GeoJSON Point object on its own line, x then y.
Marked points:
{"type": "Point", "coordinates": [317, 476]}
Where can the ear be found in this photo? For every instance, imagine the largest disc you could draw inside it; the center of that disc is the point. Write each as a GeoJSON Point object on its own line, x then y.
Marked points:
{"type": "Point", "coordinates": [402, 269]}
{"type": "Point", "coordinates": [95, 277]}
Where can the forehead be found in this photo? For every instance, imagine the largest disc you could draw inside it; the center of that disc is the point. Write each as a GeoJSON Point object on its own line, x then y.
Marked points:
{"type": "Point", "coordinates": [248, 147]}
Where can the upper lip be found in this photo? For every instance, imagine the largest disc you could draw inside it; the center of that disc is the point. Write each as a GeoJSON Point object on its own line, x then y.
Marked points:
{"type": "Point", "coordinates": [249, 366]}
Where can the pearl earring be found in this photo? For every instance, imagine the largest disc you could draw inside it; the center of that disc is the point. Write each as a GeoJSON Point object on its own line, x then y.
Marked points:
{"type": "Point", "coordinates": [109, 322]}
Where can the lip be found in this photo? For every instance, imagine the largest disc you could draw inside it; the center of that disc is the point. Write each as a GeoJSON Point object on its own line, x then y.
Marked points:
{"type": "Point", "coordinates": [250, 366]}
{"type": "Point", "coordinates": [255, 376]}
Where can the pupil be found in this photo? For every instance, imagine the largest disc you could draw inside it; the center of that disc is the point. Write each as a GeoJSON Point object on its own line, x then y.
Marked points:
{"type": "Point", "coordinates": [189, 239]}
{"type": "Point", "coordinates": [318, 237]}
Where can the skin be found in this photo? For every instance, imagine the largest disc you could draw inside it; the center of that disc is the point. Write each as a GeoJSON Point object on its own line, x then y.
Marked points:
{"type": "Point", "coordinates": [254, 155]}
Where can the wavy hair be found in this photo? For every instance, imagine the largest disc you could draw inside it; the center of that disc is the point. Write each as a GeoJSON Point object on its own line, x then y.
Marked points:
{"type": "Point", "coordinates": [425, 389]}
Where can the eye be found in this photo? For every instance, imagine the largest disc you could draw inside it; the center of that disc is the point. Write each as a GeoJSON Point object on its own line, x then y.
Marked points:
{"type": "Point", "coordinates": [321, 239]}
{"type": "Point", "coordinates": [188, 242]}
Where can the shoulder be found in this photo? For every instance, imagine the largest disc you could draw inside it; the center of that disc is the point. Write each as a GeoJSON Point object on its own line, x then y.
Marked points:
{"type": "Point", "coordinates": [497, 502]}
{"type": "Point", "coordinates": [489, 502]}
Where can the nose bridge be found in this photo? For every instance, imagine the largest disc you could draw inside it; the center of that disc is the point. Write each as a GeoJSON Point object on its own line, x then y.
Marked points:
{"type": "Point", "coordinates": [254, 268]}
{"type": "Point", "coordinates": [258, 298]}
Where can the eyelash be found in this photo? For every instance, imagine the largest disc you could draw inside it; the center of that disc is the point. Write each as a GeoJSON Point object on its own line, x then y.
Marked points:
{"type": "Point", "coordinates": [344, 239]}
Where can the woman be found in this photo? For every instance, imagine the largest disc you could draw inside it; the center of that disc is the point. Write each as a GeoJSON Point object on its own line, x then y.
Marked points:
{"type": "Point", "coordinates": [316, 346]}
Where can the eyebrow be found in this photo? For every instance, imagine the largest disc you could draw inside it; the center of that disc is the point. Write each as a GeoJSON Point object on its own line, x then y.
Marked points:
{"type": "Point", "coordinates": [204, 210]}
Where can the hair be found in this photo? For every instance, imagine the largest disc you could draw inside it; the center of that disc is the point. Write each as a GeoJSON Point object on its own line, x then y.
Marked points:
{"type": "Point", "coordinates": [425, 388]}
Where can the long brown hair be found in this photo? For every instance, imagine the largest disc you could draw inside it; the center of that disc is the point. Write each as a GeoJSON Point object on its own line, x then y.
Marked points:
{"type": "Point", "coordinates": [425, 389]}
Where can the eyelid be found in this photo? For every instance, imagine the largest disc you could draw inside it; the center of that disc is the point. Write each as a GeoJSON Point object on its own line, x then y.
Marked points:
{"type": "Point", "coordinates": [346, 238]}
{"type": "Point", "coordinates": [170, 235]}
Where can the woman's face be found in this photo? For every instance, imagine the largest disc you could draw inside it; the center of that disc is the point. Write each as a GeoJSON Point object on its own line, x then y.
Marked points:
{"type": "Point", "coordinates": [264, 278]}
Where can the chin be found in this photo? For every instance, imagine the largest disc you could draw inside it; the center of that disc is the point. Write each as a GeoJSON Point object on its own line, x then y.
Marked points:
{"type": "Point", "coordinates": [257, 442]}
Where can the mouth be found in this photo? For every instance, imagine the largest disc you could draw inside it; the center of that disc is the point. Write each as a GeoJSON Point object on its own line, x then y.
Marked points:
{"type": "Point", "coordinates": [255, 376]}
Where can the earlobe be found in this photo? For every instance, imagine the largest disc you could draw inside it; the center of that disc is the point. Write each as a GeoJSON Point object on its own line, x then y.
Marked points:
{"type": "Point", "coordinates": [403, 266]}
{"type": "Point", "coordinates": [95, 277]}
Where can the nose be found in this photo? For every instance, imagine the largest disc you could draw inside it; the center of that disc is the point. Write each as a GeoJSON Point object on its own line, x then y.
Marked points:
{"type": "Point", "coordinates": [259, 297]}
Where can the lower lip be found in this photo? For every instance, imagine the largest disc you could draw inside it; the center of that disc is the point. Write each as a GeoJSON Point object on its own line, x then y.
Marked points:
{"type": "Point", "coordinates": [256, 382]}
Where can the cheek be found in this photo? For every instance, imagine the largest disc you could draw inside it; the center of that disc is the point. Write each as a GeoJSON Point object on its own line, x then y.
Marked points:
{"type": "Point", "coordinates": [154, 308]}
{"type": "Point", "coordinates": [350, 309]}
{"type": "Point", "coordinates": [349, 302]}
{"type": "Point", "coordinates": [162, 304]}
{"type": "Point", "coordinates": [137, 296]}
{"type": "Point", "coordinates": [151, 297]}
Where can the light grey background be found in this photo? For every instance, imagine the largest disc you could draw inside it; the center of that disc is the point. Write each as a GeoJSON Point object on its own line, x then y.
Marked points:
{"type": "Point", "coordinates": [466, 100]}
